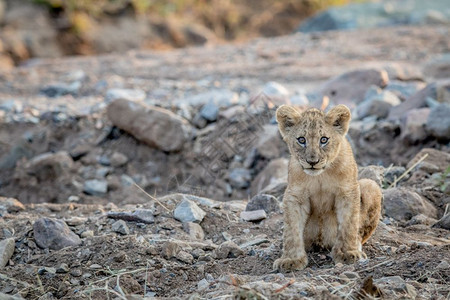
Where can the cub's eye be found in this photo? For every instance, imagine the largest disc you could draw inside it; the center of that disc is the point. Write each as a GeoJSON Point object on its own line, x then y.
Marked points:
{"type": "Point", "coordinates": [302, 141]}
{"type": "Point", "coordinates": [323, 140]}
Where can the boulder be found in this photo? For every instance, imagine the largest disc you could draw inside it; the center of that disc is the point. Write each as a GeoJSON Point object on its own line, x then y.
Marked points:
{"type": "Point", "coordinates": [438, 159]}
{"type": "Point", "coordinates": [54, 234]}
{"type": "Point", "coordinates": [438, 122]}
{"type": "Point", "coordinates": [157, 127]}
{"type": "Point", "coordinates": [402, 204]}
{"type": "Point", "coordinates": [275, 171]}
{"type": "Point", "coordinates": [350, 88]}
{"type": "Point", "coordinates": [413, 125]}
{"type": "Point", "coordinates": [418, 100]}
{"type": "Point", "coordinates": [49, 166]}
{"type": "Point", "coordinates": [266, 202]}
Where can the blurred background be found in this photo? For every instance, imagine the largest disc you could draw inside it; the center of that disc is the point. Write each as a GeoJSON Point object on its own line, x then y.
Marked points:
{"type": "Point", "coordinates": [55, 28]}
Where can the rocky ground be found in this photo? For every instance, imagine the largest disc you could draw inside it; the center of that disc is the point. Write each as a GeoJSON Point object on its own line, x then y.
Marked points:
{"type": "Point", "coordinates": [161, 174]}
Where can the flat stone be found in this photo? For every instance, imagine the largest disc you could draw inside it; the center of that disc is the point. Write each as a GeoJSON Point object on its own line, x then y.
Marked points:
{"type": "Point", "coordinates": [145, 216]}
{"type": "Point", "coordinates": [120, 227]}
{"type": "Point", "coordinates": [54, 234]}
{"type": "Point", "coordinates": [188, 211]}
{"type": "Point", "coordinates": [157, 127]}
{"type": "Point", "coordinates": [95, 187]}
{"type": "Point", "coordinates": [254, 242]}
{"type": "Point", "coordinates": [253, 216]}
{"type": "Point", "coordinates": [61, 89]}
{"type": "Point", "coordinates": [6, 251]}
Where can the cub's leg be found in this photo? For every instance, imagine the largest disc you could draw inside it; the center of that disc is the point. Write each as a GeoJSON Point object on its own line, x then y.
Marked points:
{"type": "Point", "coordinates": [370, 208]}
{"type": "Point", "coordinates": [347, 248]}
{"type": "Point", "coordinates": [296, 212]}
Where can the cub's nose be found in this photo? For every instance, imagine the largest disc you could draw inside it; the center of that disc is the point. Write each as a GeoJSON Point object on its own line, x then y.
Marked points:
{"type": "Point", "coordinates": [312, 162]}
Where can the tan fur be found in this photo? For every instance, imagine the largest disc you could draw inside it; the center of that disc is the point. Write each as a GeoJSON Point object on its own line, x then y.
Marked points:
{"type": "Point", "coordinates": [324, 203]}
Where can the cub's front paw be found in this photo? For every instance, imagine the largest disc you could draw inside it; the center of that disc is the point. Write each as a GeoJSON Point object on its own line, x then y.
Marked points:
{"type": "Point", "coordinates": [290, 264]}
{"type": "Point", "coordinates": [347, 257]}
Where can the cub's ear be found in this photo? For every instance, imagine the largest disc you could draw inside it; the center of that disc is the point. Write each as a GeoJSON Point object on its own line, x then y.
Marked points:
{"type": "Point", "coordinates": [339, 117]}
{"type": "Point", "coordinates": [287, 116]}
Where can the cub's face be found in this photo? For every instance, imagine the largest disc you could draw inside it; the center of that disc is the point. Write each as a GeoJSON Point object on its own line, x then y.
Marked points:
{"type": "Point", "coordinates": [313, 138]}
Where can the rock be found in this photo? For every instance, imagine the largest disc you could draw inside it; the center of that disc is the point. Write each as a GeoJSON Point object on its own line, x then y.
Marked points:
{"type": "Point", "coordinates": [402, 89]}
{"type": "Point", "coordinates": [210, 111]}
{"type": "Point", "coordinates": [170, 249]}
{"type": "Point", "coordinates": [95, 187]}
{"type": "Point", "coordinates": [121, 227]}
{"type": "Point", "coordinates": [54, 234]}
{"type": "Point", "coordinates": [438, 122]}
{"type": "Point", "coordinates": [376, 173]}
{"type": "Point", "coordinates": [139, 215]}
{"type": "Point", "coordinates": [274, 89]}
{"type": "Point", "coordinates": [202, 285]}
{"type": "Point", "coordinates": [275, 171]}
{"type": "Point", "coordinates": [118, 159]}
{"type": "Point", "coordinates": [351, 275]}
{"type": "Point", "coordinates": [157, 127]}
{"type": "Point", "coordinates": [444, 222]}
{"type": "Point", "coordinates": [49, 166]}
{"type": "Point", "coordinates": [413, 125]}
{"type": "Point", "coordinates": [438, 68]}
{"type": "Point", "coordinates": [392, 173]}
{"type": "Point", "coordinates": [443, 265]}
{"type": "Point", "coordinates": [87, 234]}
{"type": "Point", "coordinates": [389, 280]}
{"type": "Point", "coordinates": [377, 103]}
{"type": "Point", "coordinates": [11, 205]}
{"type": "Point", "coordinates": [228, 249]}
{"type": "Point", "coordinates": [195, 230]}
{"type": "Point", "coordinates": [276, 189]}
{"type": "Point", "coordinates": [185, 257]}
{"type": "Point", "coordinates": [6, 251]}
{"type": "Point", "coordinates": [61, 89]}
{"type": "Point", "coordinates": [438, 159]}
{"type": "Point", "coordinates": [124, 94]}
{"type": "Point", "coordinates": [443, 91]}
{"type": "Point", "coordinates": [63, 268]}
{"type": "Point", "coordinates": [254, 242]}
{"type": "Point", "coordinates": [188, 211]}
{"type": "Point", "coordinates": [263, 201]}
{"type": "Point", "coordinates": [402, 204]}
{"type": "Point", "coordinates": [270, 145]}
{"type": "Point", "coordinates": [253, 216]}
{"type": "Point", "coordinates": [421, 219]}
{"type": "Point", "coordinates": [240, 178]}
{"type": "Point", "coordinates": [350, 88]}
{"type": "Point", "coordinates": [418, 100]}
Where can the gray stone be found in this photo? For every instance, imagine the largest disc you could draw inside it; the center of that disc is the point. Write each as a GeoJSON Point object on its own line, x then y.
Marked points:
{"type": "Point", "coordinates": [185, 257]}
{"type": "Point", "coordinates": [63, 268]}
{"type": "Point", "coordinates": [253, 216]}
{"type": "Point", "coordinates": [118, 159]}
{"type": "Point", "coordinates": [195, 230]}
{"type": "Point", "coordinates": [444, 222]}
{"type": "Point", "coordinates": [61, 89]}
{"type": "Point", "coordinates": [170, 249]}
{"type": "Point", "coordinates": [422, 220]}
{"type": "Point", "coordinates": [392, 173]}
{"type": "Point", "coordinates": [210, 111]}
{"type": "Point", "coordinates": [438, 122]}
{"type": "Point", "coordinates": [221, 97]}
{"type": "Point", "coordinates": [418, 100]}
{"type": "Point", "coordinates": [350, 88]}
{"type": "Point", "coordinates": [438, 67]}
{"type": "Point", "coordinates": [124, 94]}
{"type": "Point", "coordinates": [403, 90]}
{"type": "Point", "coordinates": [121, 227]}
{"type": "Point", "coordinates": [402, 204]}
{"type": "Point", "coordinates": [228, 249]}
{"type": "Point", "coordinates": [145, 216]}
{"type": "Point", "coordinates": [95, 187]}
{"type": "Point", "coordinates": [188, 211]}
{"type": "Point", "coordinates": [413, 125]}
{"type": "Point", "coordinates": [270, 144]}
{"type": "Point", "coordinates": [439, 160]}
{"type": "Point", "coordinates": [377, 103]}
{"type": "Point", "coordinates": [443, 91]}
{"type": "Point", "coordinates": [240, 178]}
{"type": "Point", "coordinates": [157, 127]}
{"type": "Point", "coordinates": [263, 201]}
{"type": "Point", "coordinates": [202, 285]}
{"type": "Point", "coordinates": [54, 234]}
{"type": "Point", "coordinates": [372, 172]}
{"type": "Point", "coordinates": [6, 251]}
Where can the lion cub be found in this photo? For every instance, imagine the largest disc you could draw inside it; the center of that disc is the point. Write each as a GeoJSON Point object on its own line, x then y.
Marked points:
{"type": "Point", "coordinates": [324, 203]}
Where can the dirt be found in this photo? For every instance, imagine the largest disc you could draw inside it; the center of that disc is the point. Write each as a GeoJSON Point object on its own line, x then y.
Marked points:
{"type": "Point", "coordinates": [110, 265]}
